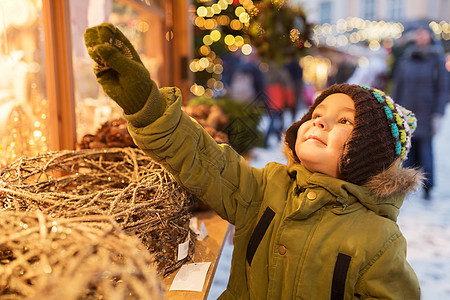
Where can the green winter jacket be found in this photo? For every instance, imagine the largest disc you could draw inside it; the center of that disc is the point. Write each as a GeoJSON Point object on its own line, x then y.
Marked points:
{"type": "Point", "coordinates": [299, 235]}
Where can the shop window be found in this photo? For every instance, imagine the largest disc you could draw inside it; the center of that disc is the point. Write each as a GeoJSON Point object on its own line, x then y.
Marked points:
{"type": "Point", "coordinates": [395, 10]}
{"type": "Point", "coordinates": [143, 22]}
{"type": "Point", "coordinates": [325, 12]}
{"type": "Point", "coordinates": [24, 107]}
{"type": "Point", "coordinates": [369, 9]}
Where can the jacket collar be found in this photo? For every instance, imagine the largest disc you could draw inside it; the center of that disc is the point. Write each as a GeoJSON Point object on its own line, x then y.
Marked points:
{"type": "Point", "coordinates": [346, 193]}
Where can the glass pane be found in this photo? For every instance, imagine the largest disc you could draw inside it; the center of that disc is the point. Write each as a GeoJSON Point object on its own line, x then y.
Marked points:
{"type": "Point", "coordinates": [23, 103]}
{"type": "Point", "coordinates": [142, 22]}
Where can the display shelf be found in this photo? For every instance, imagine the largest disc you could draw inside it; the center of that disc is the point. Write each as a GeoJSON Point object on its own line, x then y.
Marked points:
{"type": "Point", "coordinates": [207, 250]}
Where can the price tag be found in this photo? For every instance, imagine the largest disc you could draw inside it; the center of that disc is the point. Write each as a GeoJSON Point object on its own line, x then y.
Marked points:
{"type": "Point", "coordinates": [183, 250]}
{"type": "Point", "coordinates": [203, 232]}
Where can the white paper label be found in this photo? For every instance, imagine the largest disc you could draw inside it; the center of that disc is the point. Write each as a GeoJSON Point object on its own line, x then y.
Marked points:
{"type": "Point", "coordinates": [191, 277]}
{"type": "Point", "coordinates": [203, 231]}
{"type": "Point", "coordinates": [183, 250]}
{"type": "Point", "coordinates": [193, 223]}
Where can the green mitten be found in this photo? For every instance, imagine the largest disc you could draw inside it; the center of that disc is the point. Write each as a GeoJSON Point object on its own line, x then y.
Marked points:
{"type": "Point", "coordinates": [118, 68]}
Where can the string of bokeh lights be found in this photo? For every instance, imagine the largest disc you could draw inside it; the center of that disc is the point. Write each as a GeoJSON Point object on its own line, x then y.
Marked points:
{"type": "Point", "coordinates": [346, 32]}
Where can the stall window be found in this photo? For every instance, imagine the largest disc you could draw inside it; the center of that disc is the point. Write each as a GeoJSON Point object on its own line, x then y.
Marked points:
{"type": "Point", "coordinates": [143, 22]}
{"type": "Point", "coordinates": [395, 10]}
{"type": "Point", "coordinates": [23, 102]}
{"type": "Point", "coordinates": [325, 12]}
{"type": "Point", "coordinates": [369, 9]}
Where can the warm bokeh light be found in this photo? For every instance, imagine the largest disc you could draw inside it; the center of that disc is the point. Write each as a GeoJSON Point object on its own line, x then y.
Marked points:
{"type": "Point", "coordinates": [246, 49]}
{"type": "Point", "coordinates": [197, 90]}
{"type": "Point", "coordinates": [169, 35]}
{"type": "Point", "coordinates": [199, 22]}
{"type": "Point", "coordinates": [441, 29]}
{"type": "Point", "coordinates": [218, 85]}
{"type": "Point", "coordinates": [143, 26]}
{"type": "Point", "coordinates": [215, 35]}
{"type": "Point", "coordinates": [239, 10]}
{"type": "Point", "coordinates": [201, 11]}
{"type": "Point", "coordinates": [331, 41]}
{"type": "Point", "coordinates": [207, 40]}
{"type": "Point", "coordinates": [354, 30]}
{"type": "Point", "coordinates": [342, 40]}
{"type": "Point", "coordinates": [209, 93]}
{"type": "Point", "coordinates": [223, 20]}
{"type": "Point", "coordinates": [223, 4]}
{"type": "Point", "coordinates": [239, 41]}
{"type": "Point", "coordinates": [194, 66]}
{"type": "Point", "coordinates": [236, 25]}
{"type": "Point", "coordinates": [203, 62]}
{"type": "Point", "coordinates": [210, 24]}
{"type": "Point", "coordinates": [218, 69]}
{"type": "Point", "coordinates": [316, 70]}
{"type": "Point", "coordinates": [233, 48]}
{"type": "Point", "coordinates": [374, 45]}
{"type": "Point", "coordinates": [210, 83]}
{"type": "Point", "coordinates": [263, 67]}
{"type": "Point", "coordinates": [216, 9]}
{"type": "Point", "coordinates": [244, 17]}
{"type": "Point", "coordinates": [209, 12]}
{"type": "Point", "coordinates": [204, 50]}
{"type": "Point", "coordinates": [212, 55]}
{"type": "Point", "coordinates": [363, 61]}
{"type": "Point", "coordinates": [229, 40]}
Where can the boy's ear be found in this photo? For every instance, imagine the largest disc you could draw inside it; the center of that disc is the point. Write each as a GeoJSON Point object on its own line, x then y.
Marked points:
{"type": "Point", "coordinates": [290, 155]}
{"type": "Point", "coordinates": [290, 137]}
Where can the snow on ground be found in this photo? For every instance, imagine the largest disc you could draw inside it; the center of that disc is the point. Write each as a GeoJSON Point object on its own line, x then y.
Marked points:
{"type": "Point", "coordinates": [424, 223]}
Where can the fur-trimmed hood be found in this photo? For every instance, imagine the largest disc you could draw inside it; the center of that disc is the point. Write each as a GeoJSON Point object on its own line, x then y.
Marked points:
{"type": "Point", "coordinates": [393, 181]}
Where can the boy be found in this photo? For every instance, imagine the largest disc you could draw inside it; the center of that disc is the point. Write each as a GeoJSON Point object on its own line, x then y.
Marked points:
{"type": "Point", "coordinates": [322, 227]}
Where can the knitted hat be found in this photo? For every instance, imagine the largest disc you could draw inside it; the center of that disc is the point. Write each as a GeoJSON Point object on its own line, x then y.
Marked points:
{"type": "Point", "coordinates": [381, 133]}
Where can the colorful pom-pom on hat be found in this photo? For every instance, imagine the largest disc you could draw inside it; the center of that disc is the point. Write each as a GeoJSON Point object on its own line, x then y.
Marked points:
{"type": "Point", "coordinates": [381, 134]}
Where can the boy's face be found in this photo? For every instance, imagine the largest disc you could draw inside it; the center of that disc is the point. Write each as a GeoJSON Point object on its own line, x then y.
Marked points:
{"type": "Point", "coordinates": [320, 141]}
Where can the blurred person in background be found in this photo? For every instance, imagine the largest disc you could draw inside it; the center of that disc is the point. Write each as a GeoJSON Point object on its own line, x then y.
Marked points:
{"type": "Point", "coordinates": [242, 78]}
{"type": "Point", "coordinates": [296, 73]}
{"type": "Point", "coordinates": [280, 94]}
{"type": "Point", "coordinates": [421, 85]}
{"type": "Point", "coordinates": [372, 73]}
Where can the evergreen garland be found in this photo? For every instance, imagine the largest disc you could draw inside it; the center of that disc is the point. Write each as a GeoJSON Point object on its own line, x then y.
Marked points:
{"type": "Point", "coordinates": [278, 30]}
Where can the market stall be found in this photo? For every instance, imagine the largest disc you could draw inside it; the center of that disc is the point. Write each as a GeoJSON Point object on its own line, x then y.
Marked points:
{"type": "Point", "coordinates": [63, 206]}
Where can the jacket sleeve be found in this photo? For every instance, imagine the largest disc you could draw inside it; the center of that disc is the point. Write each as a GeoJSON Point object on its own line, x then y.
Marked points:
{"type": "Point", "coordinates": [389, 276]}
{"type": "Point", "coordinates": [215, 173]}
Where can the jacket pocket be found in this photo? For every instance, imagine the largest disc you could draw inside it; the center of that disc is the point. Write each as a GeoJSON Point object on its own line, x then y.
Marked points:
{"type": "Point", "coordinates": [340, 276]}
{"type": "Point", "coordinates": [258, 233]}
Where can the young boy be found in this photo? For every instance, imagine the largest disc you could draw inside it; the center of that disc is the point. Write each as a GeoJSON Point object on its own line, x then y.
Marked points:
{"type": "Point", "coordinates": [323, 227]}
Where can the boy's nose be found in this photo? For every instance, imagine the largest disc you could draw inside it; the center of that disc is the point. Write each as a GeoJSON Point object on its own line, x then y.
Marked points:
{"type": "Point", "coordinates": [320, 122]}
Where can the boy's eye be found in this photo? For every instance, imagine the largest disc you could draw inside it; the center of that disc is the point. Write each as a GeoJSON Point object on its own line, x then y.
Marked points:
{"type": "Point", "coordinates": [346, 121]}
{"type": "Point", "coordinates": [315, 116]}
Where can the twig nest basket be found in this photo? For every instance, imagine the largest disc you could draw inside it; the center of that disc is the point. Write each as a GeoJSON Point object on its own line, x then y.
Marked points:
{"type": "Point", "coordinates": [72, 258]}
{"type": "Point", "coordinates": [120, 185]}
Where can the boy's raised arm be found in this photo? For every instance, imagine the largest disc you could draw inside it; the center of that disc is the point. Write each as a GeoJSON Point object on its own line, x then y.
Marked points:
{"type": "Point", "coordinates": [162, 130]}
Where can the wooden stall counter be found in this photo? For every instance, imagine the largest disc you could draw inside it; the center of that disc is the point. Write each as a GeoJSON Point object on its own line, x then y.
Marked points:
{"type": "Point", "coordinates": [207, 250]}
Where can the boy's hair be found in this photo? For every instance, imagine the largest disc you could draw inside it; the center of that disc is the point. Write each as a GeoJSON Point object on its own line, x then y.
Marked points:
{"type": "Point", "coordinates": [381, 133]}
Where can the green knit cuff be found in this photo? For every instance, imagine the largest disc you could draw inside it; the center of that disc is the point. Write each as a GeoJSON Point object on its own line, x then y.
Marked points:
{"type": "Point", "coordinates": [132, 107]}
{"type": "Point", "coordinates": [148, 111]}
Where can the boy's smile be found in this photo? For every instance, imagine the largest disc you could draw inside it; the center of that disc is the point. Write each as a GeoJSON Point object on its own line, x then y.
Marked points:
{"type": "Point", "coordinates": [320, 141]}
{"type": "Point", "coordinates": [313, 138]}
